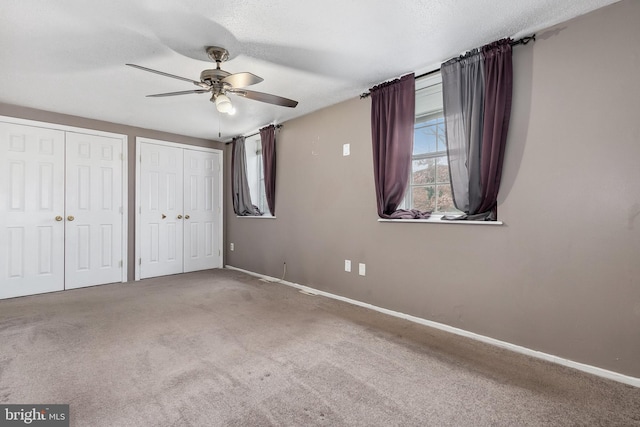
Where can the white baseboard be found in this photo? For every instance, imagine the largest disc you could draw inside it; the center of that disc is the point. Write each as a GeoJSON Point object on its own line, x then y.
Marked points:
{"type": "Point", "coordinates": [604, 373]}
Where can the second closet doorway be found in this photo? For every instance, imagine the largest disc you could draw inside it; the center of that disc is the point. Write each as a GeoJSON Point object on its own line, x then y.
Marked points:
{"type": "Point", "coordinates": [179, 208]}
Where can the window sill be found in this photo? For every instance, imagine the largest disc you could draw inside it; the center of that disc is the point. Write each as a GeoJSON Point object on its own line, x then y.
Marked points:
{"type": "Point", "coordinates": [256, 216]}
{"type": "Point", "coordinates": [436, 219]}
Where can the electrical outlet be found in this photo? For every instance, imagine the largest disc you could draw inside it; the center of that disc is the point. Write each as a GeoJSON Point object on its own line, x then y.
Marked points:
{"type": "Point", "coordinates": [347, 265]}
{"type": "Point", "coordinates": [231, 246]}
{"type": "Point", "coordinates": [362, 269]}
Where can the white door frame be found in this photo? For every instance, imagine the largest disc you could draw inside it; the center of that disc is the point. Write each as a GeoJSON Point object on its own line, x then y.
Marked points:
{"type": "Point", "coordinates": [125, 169]}
{"type": "Point", "coordinates": [140, 140]}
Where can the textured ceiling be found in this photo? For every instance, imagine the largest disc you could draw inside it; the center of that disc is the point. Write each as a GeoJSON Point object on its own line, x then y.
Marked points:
{"type": "Point", "coordinates": [68, 56]}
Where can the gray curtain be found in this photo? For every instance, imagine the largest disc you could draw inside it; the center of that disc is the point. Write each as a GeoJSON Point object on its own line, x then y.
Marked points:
{"type": "Point", "coordinates": [242, 205]}
{"type": "Point", "coordinates": [268, 140]}
{"type": "Point", "coordinates": [463, 99]}
{"type": "Point", "coordinates": [392, 118]}
{"type": "Point", "coordinates": [477, 90]}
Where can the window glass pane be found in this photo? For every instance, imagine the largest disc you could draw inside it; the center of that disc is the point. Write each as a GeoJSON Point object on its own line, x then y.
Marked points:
{"type": "Point", "coordinates": [441, 137]}
{"type": "Point", "coordinates": [442, 169]}
{"type": "Point", "coordinates": [424, 139]}
{"type": "Point", "coordinates": [423, 171]}
{"type": "Point", "coordinates": [445, 199]}
{"type": "Point", "coordinates": [424, 198]}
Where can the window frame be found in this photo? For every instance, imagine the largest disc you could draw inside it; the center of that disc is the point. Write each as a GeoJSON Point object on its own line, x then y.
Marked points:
{"type": "Point", "coordinates": [262, 192]}
{"type": "Point", "coordinates": [435, 156]}
{"type": "Point", "coordinates": [425, 117]}
{"type": "Point", "coordinates": [255, 176]}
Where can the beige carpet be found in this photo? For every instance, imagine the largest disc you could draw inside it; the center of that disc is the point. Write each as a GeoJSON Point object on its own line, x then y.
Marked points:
{"type": "Point", "coordinates": [220, 348]}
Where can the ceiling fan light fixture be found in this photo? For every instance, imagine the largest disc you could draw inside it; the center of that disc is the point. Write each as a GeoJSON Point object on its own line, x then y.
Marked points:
{"type": "Point", "coordinates": [218, 82]}
{"type": "Point", "coordinates": [223, 104]}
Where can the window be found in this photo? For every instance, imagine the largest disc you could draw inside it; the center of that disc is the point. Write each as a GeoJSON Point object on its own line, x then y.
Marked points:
{"type": "Point", "coordinates": [262, 195]}
{"type": "Point", "coordinates": [429, 184]}
{"type": "Point", "coordinates": [255, 173]}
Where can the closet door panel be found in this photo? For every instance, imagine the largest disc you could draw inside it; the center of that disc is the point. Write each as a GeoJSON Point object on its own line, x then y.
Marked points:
{"type": "Point", "coordinates": [93, 210]}
{"type": "Point", "coordinates": [202, 211]}
{"type": "Point", "coordinates": [31, 201]}
{"type": "Point", "coordinates": [161, 210]}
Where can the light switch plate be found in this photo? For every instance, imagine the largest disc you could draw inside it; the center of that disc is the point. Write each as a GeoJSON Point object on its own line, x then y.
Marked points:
{"type": "Point", "coordinates": [362, 269]}
{"type": "Point", "coordinates": [346, 149]}
{"type": "Point", "coordinates": [347, 265]}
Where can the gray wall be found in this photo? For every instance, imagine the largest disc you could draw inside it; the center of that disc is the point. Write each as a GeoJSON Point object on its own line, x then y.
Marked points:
{"type": "Point", "coordinates": [131, 132]}
{"type": "Point", "coordinates": [562, 276]}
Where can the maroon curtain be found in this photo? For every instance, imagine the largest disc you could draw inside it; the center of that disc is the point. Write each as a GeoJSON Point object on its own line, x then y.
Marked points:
{"type": "Point", "coordinates": [268, 139]}
{"type": "Point", "coordinates": [497, 112]}
{"type": "Point", "coordinates": [392, 118]}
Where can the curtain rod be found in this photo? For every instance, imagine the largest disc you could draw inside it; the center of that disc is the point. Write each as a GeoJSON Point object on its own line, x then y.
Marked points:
{"type": "Point", "coordinates": [522, 41]}
{"type": "Point", "coordinates": [253, 134]}
{"type": "Point", "coordinates": [257, 133]}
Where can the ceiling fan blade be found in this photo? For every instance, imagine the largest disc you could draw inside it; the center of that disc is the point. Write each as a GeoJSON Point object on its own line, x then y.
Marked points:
{"type": "Point", "coordinates": [166, 74]}
{"type": "Point", "coordinates": [264, 97]}
{"type": "Point", "coordinates": [242, 79]}
{"type": "Point", "coordinates": [183, 92]}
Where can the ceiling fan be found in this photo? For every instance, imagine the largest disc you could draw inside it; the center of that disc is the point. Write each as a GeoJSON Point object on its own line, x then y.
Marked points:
{"type": "Point", "coordinates": [220, 83]}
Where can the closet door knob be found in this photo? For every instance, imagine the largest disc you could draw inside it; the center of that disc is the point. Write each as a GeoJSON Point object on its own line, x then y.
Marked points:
{"type": "Point", "coordinates": [186, 217]}
{"type": "Point", "coordinates": [71, 218]}
{"type": "Point", "coordinates": [59, 218]}
{"type": "Point", "coordinates": [163, 216]}
{"type": "Point", "coordinates": [179, 216]}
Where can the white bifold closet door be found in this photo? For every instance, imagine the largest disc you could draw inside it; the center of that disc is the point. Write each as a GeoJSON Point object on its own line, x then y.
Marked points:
{"type": "Point", "coordinates": [179, 212]}
{"type": "Point", "coordinates": [60, 210]}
